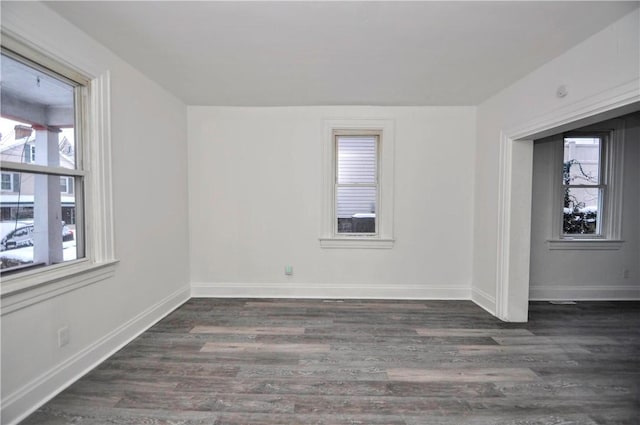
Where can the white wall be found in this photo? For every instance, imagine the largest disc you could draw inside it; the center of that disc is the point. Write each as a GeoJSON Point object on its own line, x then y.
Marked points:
{"type": "Point", "coordinates": [255, 201]}
{"type": "Point", "coordinates": [150, 202]}
{"type": "Point", "coordinates": [600, 72]}
{"type": "Point", "coordinates": [586, 274]}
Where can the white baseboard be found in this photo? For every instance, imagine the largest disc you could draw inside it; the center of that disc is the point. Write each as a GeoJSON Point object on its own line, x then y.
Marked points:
{"type": "Point", "coordinates": [330, 291]}
{"type": "Point", "coordinates": [484, 300]}
{"type": "Point", "coordinates": [21, 403]}
{"type": "Point", "coordinates": [585, 293]}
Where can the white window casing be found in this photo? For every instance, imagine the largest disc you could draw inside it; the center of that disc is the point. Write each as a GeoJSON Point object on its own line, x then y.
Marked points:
{"type": "Point", "coordinates": [92, 179]}
{"type": "Point", "coordinates": [611, 180]}
{"type": "Point", "coordinates": [383, 236]}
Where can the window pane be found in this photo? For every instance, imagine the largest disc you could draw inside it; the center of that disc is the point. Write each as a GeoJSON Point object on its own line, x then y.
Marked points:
{"type": "Point", "coordinates": [43, 117]}
{"type": "Point", "coordinates": [20, 242]}
{"type": "Point", "coordinates": [581, 161]}
{"type": "Point", "coordinates": [356, 209]}
{"type": "Point", "coordinates": [581, 206]}
{"type": "Point", "coordinates": [7, 185]}
{"type": "Point", "coordinates": [357, 159]}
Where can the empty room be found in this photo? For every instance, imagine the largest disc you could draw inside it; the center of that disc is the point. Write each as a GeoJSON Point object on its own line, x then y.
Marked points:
{"type": "Point", "coordinates": [320, 212]}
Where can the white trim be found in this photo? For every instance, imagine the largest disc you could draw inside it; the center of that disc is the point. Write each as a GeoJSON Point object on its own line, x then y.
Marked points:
{"type": "Point", "coordinates": [25, 36]}
{"type": "Point", "coordinates": [585, 244]}
{"type": "Point", "coordinates": [550, 292]}
{"type": "Point", "coordinates": [34, 288]}
{"type": "Point", "coordinates": [611, 171]}
{"type": "Point", "coordinates": [21, 403]}
{"type": "Point", "coordinates": [614, 175]}
{"type": "Point", "coordinates": [504, 222]}
{"type": "Point", "coordinates": [484, 300]}
{"type": "Point", "coordinates": [331, 291]}
{"type": "Point", "coordinates": [99, 191]}
{"type": "Point", "coordinates": [557, 222]}
{"type": "Point", "coordinates": [356, 242]}
{"type": "Point", "coordinates": [593, 108]}
{"type": "Point", "coordinates": [98, 217]}
{"type": "Point", "coordinates": [40, 60]}
{"type": "Point", "coordinates": [618, 97]}
{"type": "Point", "coordinates": [95, 164]}
{"type": "Point", "coordinates": [386, 144]}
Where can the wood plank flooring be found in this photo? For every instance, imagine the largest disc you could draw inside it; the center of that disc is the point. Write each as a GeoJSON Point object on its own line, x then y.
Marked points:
{"type": "Point", "coordinates": [272, 362]}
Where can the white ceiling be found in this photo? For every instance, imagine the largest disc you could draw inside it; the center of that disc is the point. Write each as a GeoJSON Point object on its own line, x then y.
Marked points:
{"type": "Point", "coordinates": [338, 53]}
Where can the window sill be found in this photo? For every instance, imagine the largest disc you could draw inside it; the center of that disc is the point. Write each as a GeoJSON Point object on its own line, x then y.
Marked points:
{"type": "Point", "coordinates": [26, 289]}
{"type": "Point", "coordinates": [585, 244]}
{"type": "Point", "coordinates": [358, 243]}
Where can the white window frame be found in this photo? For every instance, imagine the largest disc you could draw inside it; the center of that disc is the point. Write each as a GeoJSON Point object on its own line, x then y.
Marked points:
{"type": "Point", "coordinates": [383, 238]}
{"type": "Point", "coordinates": [611, 181]}
{"type": "Point", "coordinates": [30, 153]}
{"type": "Point", "coordinates": [24, 288]}
{"type": "Point", "coordinates": [66, 180]}
{"type": "Point", "coordinates": [11, 182]}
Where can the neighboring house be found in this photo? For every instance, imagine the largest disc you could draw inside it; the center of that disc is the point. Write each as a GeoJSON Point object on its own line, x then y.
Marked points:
{"type": "Point", "coordinates": [17, 189]}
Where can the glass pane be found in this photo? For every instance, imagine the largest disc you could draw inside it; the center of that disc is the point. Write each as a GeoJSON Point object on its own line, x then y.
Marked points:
{"type": "Point", "coordinates": [357, 159]}
{"type": "Point", "coordinates": [356, 209]}
{"type": "Point", "coordinates": [581, 206]}
{"type": "Point", "coordinates": [581, 160]}
{"type": "Point", "coordinates": [22, 242]}
{"type": "Point", "coordinates": [42, 111]}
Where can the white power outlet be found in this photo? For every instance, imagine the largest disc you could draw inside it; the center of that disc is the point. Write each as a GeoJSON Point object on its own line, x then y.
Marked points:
{"type": "Point", "coordinates": [625, 273]}
{"type": "Point", "coordinates": [63, 336]}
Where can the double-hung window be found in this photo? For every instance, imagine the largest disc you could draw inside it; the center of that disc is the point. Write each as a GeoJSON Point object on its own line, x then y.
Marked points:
{"type": "Point", "coordinates": [588, 181]}
{"type": "Point", "coordinates": [56, 198]}
{"type": "Point", "coordinates": [584, 184]}
{"type": "Point", "coordinates": [356, 181]}
{"type": "Point", "coordinates": [10, 182]}
{"type": "Point", "coordinates": [358, 184]}
{"type": "Point", "coordinates": [39, 108]}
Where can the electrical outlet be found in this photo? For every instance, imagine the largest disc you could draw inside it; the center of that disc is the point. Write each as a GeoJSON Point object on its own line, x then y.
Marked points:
{"type": "Point", "coordinates": [625, 273]}
{"type": "Point", "coordinates": [63, 336]}
{"type": "Point", "coordinates": [288, 270]}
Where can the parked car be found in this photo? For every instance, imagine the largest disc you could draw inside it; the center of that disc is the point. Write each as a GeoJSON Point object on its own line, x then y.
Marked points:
{"type": "Point", "coordinates": [18, 234]}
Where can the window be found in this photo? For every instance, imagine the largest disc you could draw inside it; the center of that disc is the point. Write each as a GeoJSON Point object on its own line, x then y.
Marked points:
{"type": "Point", "coordinates": [29, 152]}
{"type": "Point", "coordinates": [56, 139]}
{"type": "Point", "coordinates": [66, 185]}
{"type": "Point", "coordinates": [356, 177]}
{"type": "Point", "coordinates": [48, 108]}
{"type": "Point", "coordinates": [588, 196]}
{"type": "Point", "coordinates": [584, 188]}
{"type": "Point", "coordinates": [358, 185]}
{"type": "Point", "coordinates": [10, 182]}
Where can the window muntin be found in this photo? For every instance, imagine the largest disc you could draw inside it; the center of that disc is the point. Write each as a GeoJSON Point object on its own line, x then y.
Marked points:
{"type": "Point", "coordinates": [39, 147]}
{"type": "Point", "coordinates": [583, 185]}
{"type": "Point", "coordinates": [356, 183]}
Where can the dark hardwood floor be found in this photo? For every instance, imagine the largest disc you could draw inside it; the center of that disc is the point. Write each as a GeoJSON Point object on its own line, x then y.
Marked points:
{"type": "Point", "coordinates": [263, 362]}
